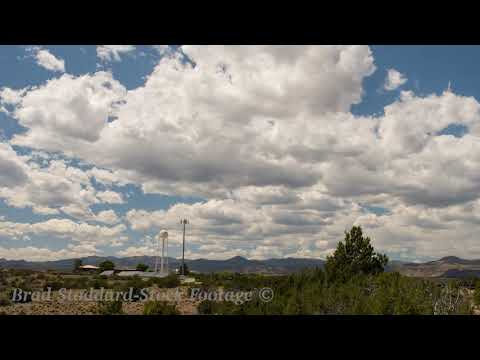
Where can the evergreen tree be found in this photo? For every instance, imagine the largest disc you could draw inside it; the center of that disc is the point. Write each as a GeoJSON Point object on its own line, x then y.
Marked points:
{"type": "Point", "coordinates": [106, 265]}
{"type": "Point", "coordinates": [142, 267]}
{"type": "Point", "coordinates": [76, 264]}
{"type": "Point", "coordinates": [354, 256]}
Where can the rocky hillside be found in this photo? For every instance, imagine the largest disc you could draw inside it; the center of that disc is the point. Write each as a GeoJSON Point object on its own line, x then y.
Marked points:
{"type": "Point", "coordinates": [447, 267]}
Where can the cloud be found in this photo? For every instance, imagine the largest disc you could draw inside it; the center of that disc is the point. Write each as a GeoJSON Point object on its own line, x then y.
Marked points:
{"type": "Point", "coordinates": [68, 110]}
{"type": "Point", "coordinates": [137, 251]}
{"type": "Point", "coordinates": [220, 225]}
{"type": "Point", "coordinates": [110, 197]}
{"type": "Point", "coordinates": [106, 177]}
{"type": "Point", "coordinates": [107, 217]}
{"type": "Point", "coordinates": [265, 135]}
{"type": "Point", "coordinates": [394, 80]}
{"type": "Point", "coordinates": [50, 186]}
{"type": "Point", "coordinates": [48, 61]}
{"type": "Point", "coordinates": [13, 171]}
{"type": "Point", "coordinates": [191, 138]}
{"type": "Point", "coordinates": [162, 49]}
{"type": "Point", "coordinates": [33, 253]}
{"type": "Point", "coordinates": [11, 97]}
{"type": "Point", "coordinates": [108, 53]}
{"type": "Point", "coordinates": [66, 229]}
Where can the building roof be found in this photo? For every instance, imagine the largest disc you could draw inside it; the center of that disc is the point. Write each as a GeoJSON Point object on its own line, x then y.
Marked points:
{"type": "Point", "coordinates": [89, 267]}
{"type": "Point", "coordinates": [142, 274]}
{"type": "Point", "coordinates": [130, 273]}
{"type": "Point", "coordinates": [107, 273]}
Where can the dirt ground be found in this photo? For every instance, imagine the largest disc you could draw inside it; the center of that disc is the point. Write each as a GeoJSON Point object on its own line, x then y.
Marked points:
{"type": "Point", "coordinates": [58, 306]}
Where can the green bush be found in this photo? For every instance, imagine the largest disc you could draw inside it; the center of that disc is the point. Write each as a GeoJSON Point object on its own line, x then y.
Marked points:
{"type": "Point", "coordinates": [99, 283]}
{"type": "Point", "coordinates": [142, 267]}
{"type": "Point", "coordinates": [106, 265]}
{"type": "Point", "coordinates": [136, 284]}
{"type": "Point", "coordinates": [40, 276]}
{"type": "Point", "coordinates": [159, 308]}
{"type": "Point", "coordinates": [21, 272]}
{"type": "Point", "coordinates": [309, 292]}
{"type": "Point", "coordinates": [476, 294]}
{"type": "Point", "coordinates": [206, 307]}
{"type": "Point", "coordinates": [169, 282]}
{"type": "Point", "coordinates": [55, 285]}
{"type": "Point", "coordinates": [5, 300]}
{"type": "Point", "coordinates": [110, 308]}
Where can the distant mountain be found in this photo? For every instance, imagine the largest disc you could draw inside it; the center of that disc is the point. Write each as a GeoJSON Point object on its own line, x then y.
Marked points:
{"type": "Point", "coordinates": [235, 264]}
{"type": "Point", "coordinates": [447, 267]}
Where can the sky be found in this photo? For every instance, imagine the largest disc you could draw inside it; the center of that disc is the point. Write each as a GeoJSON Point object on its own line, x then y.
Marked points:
{"type": "Point", "coordinates": [269, 151]}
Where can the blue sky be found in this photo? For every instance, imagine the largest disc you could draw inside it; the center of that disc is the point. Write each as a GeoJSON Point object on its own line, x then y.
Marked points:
{"type": "Point", "coordinates": [205, 177]}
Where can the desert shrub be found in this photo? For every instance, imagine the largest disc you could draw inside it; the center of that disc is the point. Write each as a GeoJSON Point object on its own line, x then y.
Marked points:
{"type": "Point", "coordinates": [3, 278]}
{"type": "Point", "coordinates": [450, 299]}
{"type": "Point", "coordinates": [76, 283]}
{"type": "Point", "coordinates": [68, 283]}
{"type": "Point", "coordinates": [99, 283]}
{"type": "Point", "coordinates": [136, 284]}
{"type": "Point", "coordinates": [101, 277]}
{"type": "Point", "coordinates": [24, 284]}
{"type": "Point", "coordinates": [476, 294]}
{"type": "Point", "coordinates": [21, 272]}
{"type": "Point", "coordinates": [309, 292]}
{"type": "Point", "coordinates": [110, 308]}
{"type": "Point", "coordinates": [169, 282]}
{"type": "Point", "coordinates": [159, 308]}
{"type": "Point", "coordinates": [55, 285]}
{"type": "Point", "coordinates": [206, 307]}
{"type": "Point", "coordinates": [40, 276]}
{"type": "Point", "coordinates": [5, 300]}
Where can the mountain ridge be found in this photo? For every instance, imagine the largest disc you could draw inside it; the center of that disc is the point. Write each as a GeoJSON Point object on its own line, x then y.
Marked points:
{"type": "Point", "coordinates": [448, 266]}
{"type": "Point", "coordinates": [234, 264]}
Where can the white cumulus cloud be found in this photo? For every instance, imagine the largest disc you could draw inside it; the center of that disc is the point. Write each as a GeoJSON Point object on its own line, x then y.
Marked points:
{"type": "Point", "coordinates": [49, 61]}
{"type": "Point", "coordinates": [113, 52]}
{"type": "Point", "coordinates": [394, 80]}
{"type": "Point", "coordinates": [266, 136]}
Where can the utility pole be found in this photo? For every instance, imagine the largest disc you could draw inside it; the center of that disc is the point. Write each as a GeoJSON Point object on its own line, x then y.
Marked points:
{"type": "Point", "coordinates": [183, 222]}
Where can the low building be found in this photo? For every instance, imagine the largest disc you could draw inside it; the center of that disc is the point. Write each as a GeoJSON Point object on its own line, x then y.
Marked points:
{"type": "Point", "coordinates": [187, 280]}
{"type": "Point", "coordinates": [122, 269]}
{"type": "Point", "coordinates": [107, 273]}
{"type": "Point", "coordinates": [127, 273]}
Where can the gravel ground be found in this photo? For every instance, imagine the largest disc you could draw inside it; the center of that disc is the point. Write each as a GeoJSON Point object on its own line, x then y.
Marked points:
{"type": "Point", "coordinates": [58, 307]}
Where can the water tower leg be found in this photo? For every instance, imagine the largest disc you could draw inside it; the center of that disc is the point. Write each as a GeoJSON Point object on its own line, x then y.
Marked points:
{"type": "Point", "coordinates": [166, 253]}
{"type": "Point", "coordinates": [163, 250]}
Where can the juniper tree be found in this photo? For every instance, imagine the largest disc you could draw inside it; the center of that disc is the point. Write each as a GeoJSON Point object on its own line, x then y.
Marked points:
{"type": "Point", "coordinates": [354, 256]}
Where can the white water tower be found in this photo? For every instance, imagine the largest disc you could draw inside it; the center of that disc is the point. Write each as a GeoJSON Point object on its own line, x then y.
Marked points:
{"type": "Point", "coordinates": [163, 236]}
